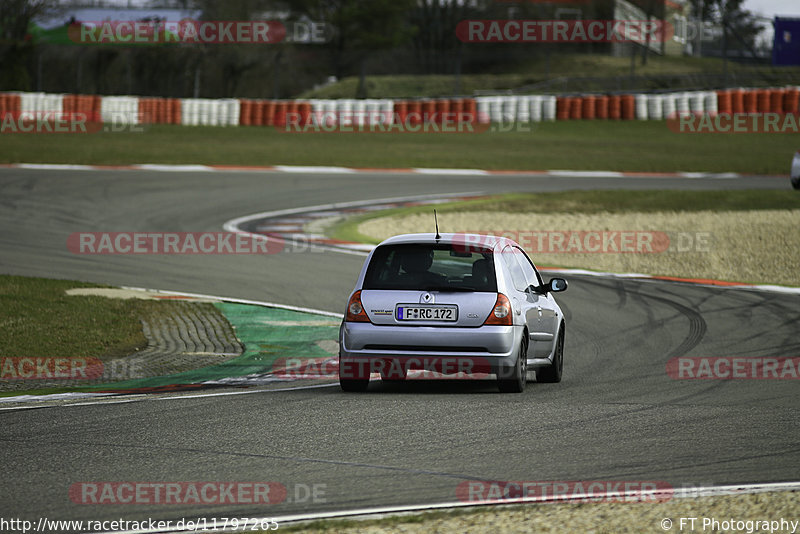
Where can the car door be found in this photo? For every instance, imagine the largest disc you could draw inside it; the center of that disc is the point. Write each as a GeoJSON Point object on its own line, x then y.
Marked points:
{"type": "Point", "coordinates": [523, 302]}
{"type": "Point", "coordinates": [542, 314]}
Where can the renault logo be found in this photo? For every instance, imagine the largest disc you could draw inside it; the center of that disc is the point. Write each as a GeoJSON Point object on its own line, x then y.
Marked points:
{"type": "Point", "coordinates": [426, 298]}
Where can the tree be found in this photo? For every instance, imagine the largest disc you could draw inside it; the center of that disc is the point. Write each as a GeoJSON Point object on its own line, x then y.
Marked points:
{"type": "Point", "coordinates": [361, 27]}
{"type": "Point", "coordinates": [17, 50]}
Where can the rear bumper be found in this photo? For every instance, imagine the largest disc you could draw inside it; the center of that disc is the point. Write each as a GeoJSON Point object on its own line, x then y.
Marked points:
{"type": "Point", "coordinates": [364, 347]}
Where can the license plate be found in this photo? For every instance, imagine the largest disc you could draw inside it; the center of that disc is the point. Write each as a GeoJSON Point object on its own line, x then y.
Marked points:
{"type": "Point", "coordinates": [426, 313]}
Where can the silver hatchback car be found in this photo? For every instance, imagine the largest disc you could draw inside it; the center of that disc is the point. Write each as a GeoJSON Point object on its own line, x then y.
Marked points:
{"type": "Point", "coordinates": [451, 304]}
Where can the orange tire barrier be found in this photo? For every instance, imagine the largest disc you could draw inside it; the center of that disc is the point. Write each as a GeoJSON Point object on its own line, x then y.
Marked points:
{"type": "Point", "coordinates": [257, 113]}
{"type": "Point", "coordinates": [67, 105]}
{"type": "Point", "coordinates": [724, 102]}
{"type": "Point", "coordinates": [750, 102]}
{"type": "Point", "coordinates": [589, 108]}
{"type": "Point", "coordinates": [245, 107]}
{"type": "Point", "coordinates": [563, 104]}
{"type": "Point", "coordinates": [305, 110]}
{"type": "Point", "coordinates": [763, 100]}
{"type": "Point", "coordinates": [428, 110]}
{"type": "Point", "coordinates": [791, 101]}
{"type": "Point", "coordinates": [291, 108]}
{"type": "Point", "coordinates": [13, 103]}
{"type": "Point", "coordinates": [776, 100]}
{"type": "Point", "coordinates": [279, 119]}
{"type": "Point", "coordinates": [400, 111]}
{"type": "Point", "coordinates": [737, 101]}
{"type": "Point", "coordinates": [601, 107]}
{"type": "Point", "coordinates": [95, 102]}
{"type": "Point", "coordinates": [415, 112]}
{"type": "Point", "coordinates": [628, 107]}
{"type": "Point", "coordinates": [442, 108]}
{"type": "Point", "coordinates": [146, 111]}
{"type": "Point", "coordinates": [155, 115]}
{"type": "Point", "coordinates": [269, 113]}
{"type": "Point", "coordinates": [471, 109]}
{"type": "Point", "coordinates": [576, 108]}
{"type": "Point", "coordinates": [615, 107]}
{"type": "Point", "coordinates": [143, 110]}
{"type": "Point", "coordinates": [176, 111]}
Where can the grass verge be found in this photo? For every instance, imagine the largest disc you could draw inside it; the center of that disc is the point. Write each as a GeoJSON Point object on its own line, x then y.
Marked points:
{"type": "Point", "coordinates": [642, 146]}
{"type": "Point", "coordinates": [602, 69]}
{"type": "Point", "coordinates": [39, 320]}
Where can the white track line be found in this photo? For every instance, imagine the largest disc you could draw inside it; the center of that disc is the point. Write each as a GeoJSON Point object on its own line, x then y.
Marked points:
{"type": "Point", "coordinates": [379, 512]}
{"type": "Point", "coordinates": [233, 224]}
{"type": "Point", "coordinates": [237, 301]}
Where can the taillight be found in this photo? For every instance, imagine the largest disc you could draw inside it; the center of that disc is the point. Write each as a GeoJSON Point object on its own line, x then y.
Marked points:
{"type": "Point", "coordinates": [355, 311]}
{"type": "Point", "coordinates": [501, 313]}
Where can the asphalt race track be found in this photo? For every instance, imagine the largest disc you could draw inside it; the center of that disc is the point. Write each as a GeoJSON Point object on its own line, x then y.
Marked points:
{"type": "Point", "coordinates": [616, 415]}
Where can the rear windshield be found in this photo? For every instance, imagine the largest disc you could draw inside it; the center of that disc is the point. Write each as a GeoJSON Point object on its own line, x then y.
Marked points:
{"type": "Point", "coordinates": [430, 268]}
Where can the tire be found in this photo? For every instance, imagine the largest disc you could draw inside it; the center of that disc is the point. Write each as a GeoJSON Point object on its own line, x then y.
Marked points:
{"type": "Point", "coordinates": [512, 380]}
{"type": "Point", "coordinates": [356, 385]}
{"type": "Point", "coordinates": [552, 374]}
{"type": "Point", "coordinates": [392, 379]}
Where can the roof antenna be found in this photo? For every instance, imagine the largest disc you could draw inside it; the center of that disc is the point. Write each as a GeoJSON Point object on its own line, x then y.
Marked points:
{"type": "Point", "coordinates": [436, 220]}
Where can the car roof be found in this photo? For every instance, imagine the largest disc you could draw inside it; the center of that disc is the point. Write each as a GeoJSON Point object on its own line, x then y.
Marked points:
{"type": "Point", "coordinates": [484, 241]}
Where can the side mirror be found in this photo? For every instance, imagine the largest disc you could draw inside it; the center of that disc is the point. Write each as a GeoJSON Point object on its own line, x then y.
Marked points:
{"type": "Point", "coordinates": [557, 284]}
{"type": "Point", "coordinates": [553, 286]}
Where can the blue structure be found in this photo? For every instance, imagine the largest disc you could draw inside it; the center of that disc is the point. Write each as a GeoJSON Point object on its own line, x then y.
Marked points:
{"type": "Point", "coordinates": [786, 46]}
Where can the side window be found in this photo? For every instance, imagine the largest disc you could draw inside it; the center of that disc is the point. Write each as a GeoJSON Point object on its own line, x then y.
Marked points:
{"type": "Point", "coordinates": [517, 276]}
{"type": "Point", "coordinates": [531, 274]}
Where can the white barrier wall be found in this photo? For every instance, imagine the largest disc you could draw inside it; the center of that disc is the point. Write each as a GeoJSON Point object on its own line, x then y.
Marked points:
{"type": "Point", "coordinates": [210, 112]}
{"type": "Point", "coordinates": [120, 109]}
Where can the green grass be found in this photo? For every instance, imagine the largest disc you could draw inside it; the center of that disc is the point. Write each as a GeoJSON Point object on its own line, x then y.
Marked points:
{"type": "Point", "coordinates": [38, 319]}
{"type": "Point", "coordinates": [592, 202]}
{"type": "Point", "coordinates": [536, 70]}
{"type": "Point", "coordinates": [645, 146]}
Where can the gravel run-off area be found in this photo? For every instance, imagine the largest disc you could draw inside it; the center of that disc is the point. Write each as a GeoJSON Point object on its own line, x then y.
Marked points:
{"type": "Point", "coordinates": [739, 246]}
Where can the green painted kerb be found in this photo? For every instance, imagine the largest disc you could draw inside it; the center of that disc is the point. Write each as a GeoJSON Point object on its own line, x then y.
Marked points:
{"type": "Point", "coordinates": [267, 334]}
